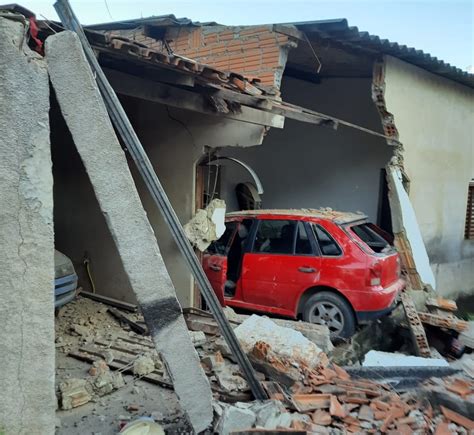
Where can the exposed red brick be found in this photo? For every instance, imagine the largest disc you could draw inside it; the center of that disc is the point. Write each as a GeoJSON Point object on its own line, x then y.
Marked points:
{"type": "Point", "coordinates": [443, 429]}
{"type": "Point", "coordinates": [460, 387]}
{"type": "Point", "coordinates": [321, 417]}
{"type": "Point", "coordinates": [404, 429]}
{"type": "Point", "coordinates": [254, 30]}
{"type": "Point", "coordinates": [226, 36]}
{"type": "Point", "coordinates": [310, 402]}
{"type": "Point", "coordinates": [387, 422]}
{"type": "Point", "coordinates": [251, 45]}
{"type": "Point", "coordinates": [336, 408]}
{"type": "Point", "coordinates": [457, 418]}
{"type": "Point", "coordinates": [210, 39]}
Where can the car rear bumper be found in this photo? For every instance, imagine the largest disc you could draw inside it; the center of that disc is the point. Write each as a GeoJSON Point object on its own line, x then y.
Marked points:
{"type": "Point", "coordinates": [380, 302]}
{"type": "Point", "coordinates": [64, 290]}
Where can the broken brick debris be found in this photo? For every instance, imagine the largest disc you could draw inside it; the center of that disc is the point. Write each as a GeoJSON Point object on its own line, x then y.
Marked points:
{"type": "Point", "coordinates": [307, 399]}
{"type": "Point", "coordinates": [311, 402]}
{"type": "Point", "coordinates": [416, 327]}
{"type": "Point", "coordinates": [444, 321]}
{"type": "Point", "coordinates": [458, 418]}
{"type": "Point", "coordinates": [441, 304]}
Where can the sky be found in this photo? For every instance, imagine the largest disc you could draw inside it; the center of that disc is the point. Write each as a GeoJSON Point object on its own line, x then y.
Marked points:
{"type": "Point", "coordinates": [442, 28]}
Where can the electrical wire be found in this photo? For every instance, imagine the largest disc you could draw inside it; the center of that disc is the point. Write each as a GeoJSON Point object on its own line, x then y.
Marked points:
{"type": "Point", "coordinates": [87, 262]}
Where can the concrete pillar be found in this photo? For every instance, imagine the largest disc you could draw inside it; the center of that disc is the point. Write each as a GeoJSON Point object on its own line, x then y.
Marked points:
{"type": "Point", "coordinates": [87, 119]}
{"type": "Point", "coordinates": [27, 401]}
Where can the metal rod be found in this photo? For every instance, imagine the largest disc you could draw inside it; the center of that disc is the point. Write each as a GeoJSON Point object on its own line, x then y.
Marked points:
{"type": "Point", "coordinates": [134, 146]}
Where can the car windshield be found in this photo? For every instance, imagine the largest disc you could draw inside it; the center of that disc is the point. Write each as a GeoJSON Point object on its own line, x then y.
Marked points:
{"type": "Point", "coordinates": [371, 237]}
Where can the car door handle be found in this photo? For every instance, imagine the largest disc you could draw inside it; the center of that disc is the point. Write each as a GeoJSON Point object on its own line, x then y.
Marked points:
{"type": "Point", "coordinates": [307, 269]}
{"type": "Point", "coordinates": [215, 268]}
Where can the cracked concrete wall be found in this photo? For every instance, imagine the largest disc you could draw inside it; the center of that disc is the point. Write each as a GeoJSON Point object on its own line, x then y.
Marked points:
{"type": "Point", "coordinates": [434, 118]}
{"type": "Point", "coordinates": [105, 162]}
{"type": "Point", "coordinates": [27, 400]}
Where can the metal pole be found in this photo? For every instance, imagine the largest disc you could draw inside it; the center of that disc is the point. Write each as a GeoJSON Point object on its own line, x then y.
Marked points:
{"type": "Point", "coordinates": [134, 146]}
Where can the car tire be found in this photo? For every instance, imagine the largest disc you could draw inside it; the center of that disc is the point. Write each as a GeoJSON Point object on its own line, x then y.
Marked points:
{"type": "Point", "coordinates": [332, 310]}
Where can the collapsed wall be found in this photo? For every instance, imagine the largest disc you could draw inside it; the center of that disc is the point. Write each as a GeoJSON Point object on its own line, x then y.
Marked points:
{"type": "Point", "coordinates": [435, 126]}
{"type": "Point", "coordinates": [27, 402]}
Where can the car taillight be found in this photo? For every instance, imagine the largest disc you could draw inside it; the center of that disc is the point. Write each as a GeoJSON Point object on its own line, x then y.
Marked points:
{"type": "Point", "coordinates": [375, 275]}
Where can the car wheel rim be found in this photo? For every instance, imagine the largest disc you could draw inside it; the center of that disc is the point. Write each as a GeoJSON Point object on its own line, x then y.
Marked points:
{"type": "Point", "coordinates": [326, 313]}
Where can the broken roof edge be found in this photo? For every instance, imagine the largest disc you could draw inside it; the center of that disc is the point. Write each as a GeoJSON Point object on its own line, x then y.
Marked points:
{"type": "Point", "coordinates": [351, 37]}
{"type": "Point", "coordinates": [337, 29]}
{"type": "Point", "coordinates": [158, 20]}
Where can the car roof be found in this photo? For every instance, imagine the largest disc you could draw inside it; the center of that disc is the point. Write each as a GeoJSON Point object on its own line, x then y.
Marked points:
{"type": "Point", "coordinates": [339, 217]}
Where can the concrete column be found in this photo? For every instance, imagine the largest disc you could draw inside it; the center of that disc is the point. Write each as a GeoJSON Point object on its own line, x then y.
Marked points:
{"type": "Point", "coordinates": [27, 401]}
{"type": "Point", "coordinates": [87, 119]}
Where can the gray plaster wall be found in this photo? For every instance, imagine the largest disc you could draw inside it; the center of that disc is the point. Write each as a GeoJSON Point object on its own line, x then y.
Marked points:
{"type": "Point", "coordinates": [27, 400]}
{"type": "Point", "coordinates": [306, 165]}
{"type": "Point", "coordinates": [174, 141]}
{"type": "Point", "coordinates": [88, 121]}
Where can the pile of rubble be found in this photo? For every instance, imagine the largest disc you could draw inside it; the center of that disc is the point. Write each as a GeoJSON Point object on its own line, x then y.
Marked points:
{"type": "Point", "coordinates": [307, 392]}
{"type": "Point", "coordinates": [311, 394]}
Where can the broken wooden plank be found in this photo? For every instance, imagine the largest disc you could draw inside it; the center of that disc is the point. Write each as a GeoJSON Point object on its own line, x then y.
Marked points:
{"type": "Point", "coordinates": [135, 327]}
{"type": "Point", "coordinates": [109, 301]}
{"type": "Point", "coordinates": [126, 84]}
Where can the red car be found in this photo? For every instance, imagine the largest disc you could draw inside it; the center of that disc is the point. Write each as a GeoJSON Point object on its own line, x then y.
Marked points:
{"type": "Point", "coordinates": [325, 267]}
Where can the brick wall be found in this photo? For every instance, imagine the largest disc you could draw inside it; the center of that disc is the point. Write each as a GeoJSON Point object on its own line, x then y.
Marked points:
{"type": "Point", "coordinates": [253, 51]}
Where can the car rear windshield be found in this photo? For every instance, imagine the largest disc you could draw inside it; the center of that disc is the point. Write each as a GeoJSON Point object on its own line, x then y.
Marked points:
{"type": "Point", "coordinates": [368, 233]}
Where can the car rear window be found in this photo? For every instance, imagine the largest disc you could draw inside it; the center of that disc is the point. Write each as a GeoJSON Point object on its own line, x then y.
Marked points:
{"type": "Point", "coordinates": [370, 237]}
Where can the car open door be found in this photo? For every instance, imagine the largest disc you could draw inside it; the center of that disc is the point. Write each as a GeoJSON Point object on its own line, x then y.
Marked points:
{"type": "Point", "coordinates": [214, 260]}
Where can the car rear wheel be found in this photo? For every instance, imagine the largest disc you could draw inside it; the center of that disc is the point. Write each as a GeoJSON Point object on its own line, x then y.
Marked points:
{"type": "Point", "coordinates": [326, 308]}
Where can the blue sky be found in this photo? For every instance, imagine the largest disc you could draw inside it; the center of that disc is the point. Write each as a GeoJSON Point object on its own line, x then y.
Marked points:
{"type": "Point", "coordinates": [441, 28]}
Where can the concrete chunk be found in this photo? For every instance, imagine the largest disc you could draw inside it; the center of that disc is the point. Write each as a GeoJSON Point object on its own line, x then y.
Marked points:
{"type": "Point", "coordinates": [206, 225]}
{"type": "Point", "coordinates": [234, 418]}
{"type": "Point", "coordinates": [286, 343]}
{"type": "Point", "coordinates": [88, 121]}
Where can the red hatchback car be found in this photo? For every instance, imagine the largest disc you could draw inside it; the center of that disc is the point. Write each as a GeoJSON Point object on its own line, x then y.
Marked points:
{"type": "Point", "coordinates": [325, 267]}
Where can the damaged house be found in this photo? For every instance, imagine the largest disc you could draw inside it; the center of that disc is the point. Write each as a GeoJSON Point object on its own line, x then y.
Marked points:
{"type": "Point", "coordinates": [421, 107]}
{"type": "Point", "coordinates": [302, 115]}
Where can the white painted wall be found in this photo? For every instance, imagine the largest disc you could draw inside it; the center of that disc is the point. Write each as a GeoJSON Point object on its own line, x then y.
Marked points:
{"type": "Point", "coordinates": [434, 117]}
{"type": "Point", "coordinates": [305, 165]}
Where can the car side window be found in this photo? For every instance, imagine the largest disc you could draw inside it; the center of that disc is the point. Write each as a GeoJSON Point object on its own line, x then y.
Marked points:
{"type": "Point", "coordinates": [327, 244]}
{"type": "Point", "coordinates": [275, 237]}
{"type": "Point", "coordinates": [303, 244]}
{"type": "Point", "coordinates": [222, 246]}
